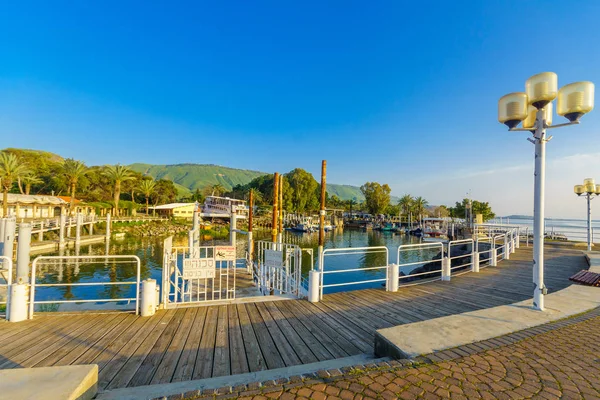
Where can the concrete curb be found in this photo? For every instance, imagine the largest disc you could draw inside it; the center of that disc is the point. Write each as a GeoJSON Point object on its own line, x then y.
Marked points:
{"type": "Point", "coordinates": [413, 340]}
{"type": "Point", "coordinates": [241, 382]}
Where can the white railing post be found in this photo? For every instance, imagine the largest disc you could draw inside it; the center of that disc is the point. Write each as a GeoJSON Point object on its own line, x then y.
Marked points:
{"type": "Point", "coordinates": [518, 241]}
{"type": "Point", "coordinates": [446, 272]}
{"type": "Point", "coordinates": [393, 278]}
{"type": "Point", "coordinates": [494, 256]}
{"type": "Point", "coordinates": [18, 302]}
{"type": "Point", "coordinates": [476, 261]}
{"type": "Point", "coordinates": [513, 244]}
{"type": "Point", "coordinates": [23, 249]}
{"type": "Point", "coordinates": [506, 247]}
{"type": "Point", "coordinates": [148, 302]}
{"type": "Point", "coordinates": [314, 281]}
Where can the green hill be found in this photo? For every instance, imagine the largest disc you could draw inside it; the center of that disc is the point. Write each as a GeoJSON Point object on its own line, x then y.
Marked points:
{"type": "Point", "coordinates": [197, 176]}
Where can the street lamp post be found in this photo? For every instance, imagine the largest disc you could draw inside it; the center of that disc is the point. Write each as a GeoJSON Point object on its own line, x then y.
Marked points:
{"type": "Point", "coordinates": [534, 109]}
{"type": "Point", "coordinates": [588, 190]}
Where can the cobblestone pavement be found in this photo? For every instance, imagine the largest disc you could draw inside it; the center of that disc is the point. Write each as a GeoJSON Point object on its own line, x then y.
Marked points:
{"type": "Point", "coordinates": [558, 360]}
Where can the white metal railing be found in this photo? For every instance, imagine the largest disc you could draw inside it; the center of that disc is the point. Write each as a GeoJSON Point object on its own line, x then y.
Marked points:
{"type": "Point", "coordinates": [6, 273]}
{"type": "Point", "coordinates": [470, 255]}
{"type": "Point", "coordinates": [283, 276]}
{"type": "Point", "coordinates": [352, 251]}
{"type": "Point", "coordinates": [178, 289]}
{"type": "Point", "coordinates": [421, 248]}
{"type": "Point", "coordinates": [54, 260]}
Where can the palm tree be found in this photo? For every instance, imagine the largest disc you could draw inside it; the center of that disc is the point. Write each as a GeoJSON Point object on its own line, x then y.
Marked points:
{"type": "Point", "coordinates": [419, 206]}
{"type": "Point", "coordinates": [11, 169]}
{"type": "Point", "coordinates": [28, 180]}
{"type": "Point", "coordinates": [351, 203]}
{"type": "Point", "coordinates": [147, 187]}
{"type": "Point", "coordinates": [118, 174]}
{"type": "Point", "coordinates": [73, 170]}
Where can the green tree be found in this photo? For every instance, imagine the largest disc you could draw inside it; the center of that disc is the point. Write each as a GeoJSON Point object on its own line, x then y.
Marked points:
{"type": "Point", "coordinates": [11, 169]}
{"type": "Point", "coordinates": [165, 192]}
{"type": "Point", "coordinates": [441, 211]}
{"type": "Point", "coordinates": [350, 204]}
{"type": "Point", "coordinates": [118, 174]}
{"type": "Point", "coordinates": [419, 207]}
{"type": "Point", "coordinates": [406, 203]}
{"type": "Point", "coordinates": [28, 180]}
{"type": "Point", "coordinates": [147, 187]}
{"type": "Point", "coordinates": [479, 207]}
{"type": "Point", "coordinates": [73, 171]}
{"type": "Point", "coordinates": [197, 196]}
{"type": "Point", "coordinates": [303, 190]}
{"type": "Point", "coordinates": [377, 197]}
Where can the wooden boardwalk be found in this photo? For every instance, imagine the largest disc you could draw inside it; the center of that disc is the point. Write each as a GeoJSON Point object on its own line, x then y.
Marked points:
{"type": "Point", "coordinates": [201, 342]}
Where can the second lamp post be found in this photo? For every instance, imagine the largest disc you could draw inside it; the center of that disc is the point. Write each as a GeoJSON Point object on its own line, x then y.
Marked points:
{"type": "Point", "coordinates": [589, 189]}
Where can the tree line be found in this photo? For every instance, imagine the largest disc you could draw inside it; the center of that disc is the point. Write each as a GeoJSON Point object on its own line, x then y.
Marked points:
{"type": "Point", "coordinates": [31, 172]}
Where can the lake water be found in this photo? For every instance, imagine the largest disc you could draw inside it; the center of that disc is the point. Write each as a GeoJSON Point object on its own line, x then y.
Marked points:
{"type": "Point", "coordinates": [573, 229]}
{"type": "Point", "coordinates": [150, 250]}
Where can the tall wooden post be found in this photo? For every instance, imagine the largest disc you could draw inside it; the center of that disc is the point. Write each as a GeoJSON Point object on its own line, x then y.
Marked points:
{"type": "Point", "coordinates": [250, 240]}
{"type": "Point", "coordinates": [275, 201]}
{"type": "Point", "coordinates": [322, 212]}
{"type": "Point", "coordinates": [280, 238]}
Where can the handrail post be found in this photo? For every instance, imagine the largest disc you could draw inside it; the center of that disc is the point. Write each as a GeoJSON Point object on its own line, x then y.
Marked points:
{"type": "Point", "coordinates": [494, 256]}
{"type": "Point", "coordinates": [393, 278]}
{"type": "Point", "coordinates": [446, 272]}
{"type": "Point", "coordinates": [506, 247]}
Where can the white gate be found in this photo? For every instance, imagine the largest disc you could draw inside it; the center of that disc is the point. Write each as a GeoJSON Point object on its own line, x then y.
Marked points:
{"type": "Point", "coordinates": [278, 269]}
{"type": "Point", "coordinates": [205, 274]}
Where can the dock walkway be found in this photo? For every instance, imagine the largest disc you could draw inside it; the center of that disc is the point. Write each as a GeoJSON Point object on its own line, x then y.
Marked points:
{"type": "Point", "coordinates": [201, 342]}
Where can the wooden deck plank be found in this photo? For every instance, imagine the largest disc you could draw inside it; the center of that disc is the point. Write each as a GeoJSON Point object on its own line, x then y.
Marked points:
{"type": "Point", "coordinates": [269, 350]}
{"type": "Point", "coordinates": [166, 368]}
{"type": "Point", "coordinates": [334, 326]}
{"type": "Point", "coordinates": [206, 350]}
{"type": "Point", "coordinates": [150, 353]}
{"type": "Point", "coordinates": [95, 355]}
{"type": "Point", "coordinates": [256, 361]}
{"type": "Point", "coordinates": [119, 367]}
{"type": "Point", "coordinates": [313, 343]}
{"type": "Point", "coordinates": [185, 367]}
{"type": "Point", "coordinates": [39, 350]}
{"type": "Point", "coordinates": [91, 341]}
{"type": "Point", "coordinates": [237, 353]}
{"type": "Point", "coordinates": [286, 351]}
{"type": "Point", "coordinates": [221, 362]}
{"type": "Point", "coordinates": [86, 337]}
{"type": "Point", "coordinates": [302, 350]}
{"type": "Point", "coordinates": [45, 334]}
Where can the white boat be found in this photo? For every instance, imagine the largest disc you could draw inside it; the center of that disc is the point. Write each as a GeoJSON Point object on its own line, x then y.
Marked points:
{"type": "Point", "coordinates": [435, 230]}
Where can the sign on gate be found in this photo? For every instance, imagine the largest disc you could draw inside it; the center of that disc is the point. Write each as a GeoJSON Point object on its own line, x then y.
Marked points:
{"type": "Point", "coordinates": [198, 268]}
{"type": "Point", "coordinates": [273, 258]}
{"type": "Point", "coordinates": [225, 253]}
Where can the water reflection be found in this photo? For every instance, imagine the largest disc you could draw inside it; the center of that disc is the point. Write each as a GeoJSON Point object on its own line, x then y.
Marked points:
{"type": "Point", "coordinates": [149, 250]}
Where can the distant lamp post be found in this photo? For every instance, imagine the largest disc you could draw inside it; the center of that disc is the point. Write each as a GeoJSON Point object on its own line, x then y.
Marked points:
{"type": "Point", "coordinates": [533, 108]}
{"type": "Point", "coordinates": [589, 189]}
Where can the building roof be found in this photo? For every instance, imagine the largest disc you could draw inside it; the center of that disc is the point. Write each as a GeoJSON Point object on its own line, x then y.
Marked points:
{"type": "Point", "coordinates": [68, 199]}
{"type": "Point", "coordinates": [35, 199]}
{"type": "Point", "coordinates": [171, 206]}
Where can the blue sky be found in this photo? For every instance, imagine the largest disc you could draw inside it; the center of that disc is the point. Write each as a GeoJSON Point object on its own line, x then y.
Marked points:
{"type": "Point", "coordinates": [396, 92]}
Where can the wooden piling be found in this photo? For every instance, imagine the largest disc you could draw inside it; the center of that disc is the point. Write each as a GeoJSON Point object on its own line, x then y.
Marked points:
{"type": "Point", "coordinates": [281, 203]}
{"type": "Point", "coordinates": [275, 201]}
{"type": "Point", "coordinates": [322, 212]}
